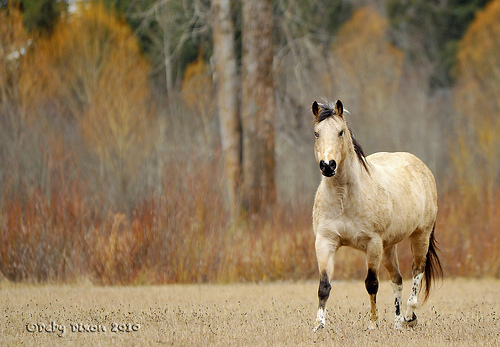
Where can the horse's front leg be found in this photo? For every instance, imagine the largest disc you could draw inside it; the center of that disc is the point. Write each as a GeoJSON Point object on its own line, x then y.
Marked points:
{"type": "Point", "coordinates": [373, 259]}
{"type": "Point", "coordinates": [325, 254]}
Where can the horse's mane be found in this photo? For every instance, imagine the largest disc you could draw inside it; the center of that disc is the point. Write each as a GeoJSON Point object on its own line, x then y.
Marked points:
{"type": "Point", "coordinates": [328, 110]}
{"type": "Point", "coordinates": [359, 151]}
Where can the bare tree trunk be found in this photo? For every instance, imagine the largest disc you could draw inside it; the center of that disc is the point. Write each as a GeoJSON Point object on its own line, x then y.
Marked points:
{"type": "Point", "coordinates": [168, 64]}
{"type": "Point", "coordinates": [259, 191]}
{"type": "Point", "coordinates": [167, 59]}
{"type": "Point", "coordinates": [227, 98]}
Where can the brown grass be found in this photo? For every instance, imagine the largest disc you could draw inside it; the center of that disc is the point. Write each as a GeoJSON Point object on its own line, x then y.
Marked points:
{"type": "Point", "coordinates": [183, 236]}
{"type": "Point", "coordinates": [460, 313]}
{"type": "Point", "coordinates": [471, 238]}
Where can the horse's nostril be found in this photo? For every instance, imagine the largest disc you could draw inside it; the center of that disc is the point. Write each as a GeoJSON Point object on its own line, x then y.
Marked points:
{"type": "Point", "coordinates": [322, 164]}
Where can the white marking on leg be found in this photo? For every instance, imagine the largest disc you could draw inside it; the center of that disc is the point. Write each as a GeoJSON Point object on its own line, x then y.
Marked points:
{"type": "Point", "coordinates": [398, 318]}
{"type": "Point", "coordinates": [320, 319]}
{"type": "Point", "coordinates": [411, 305]}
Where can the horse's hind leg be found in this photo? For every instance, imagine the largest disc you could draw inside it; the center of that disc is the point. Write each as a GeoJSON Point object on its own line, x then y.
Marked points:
{"type": "Point", "coordinates": [390, 261]}
{"type": "Point", "coordinates": [420, 246]}
{"type": "Point", "coordinates": [325, 253]}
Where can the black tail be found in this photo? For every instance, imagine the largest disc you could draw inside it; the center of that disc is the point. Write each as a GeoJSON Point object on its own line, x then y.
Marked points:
{"type": "Point", "coordinates": [433, 269]}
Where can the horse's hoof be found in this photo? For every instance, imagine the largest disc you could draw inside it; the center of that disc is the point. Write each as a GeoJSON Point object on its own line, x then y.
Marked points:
{"type": "Point", "coordinates": [412, 321]}
{"type": "Point", "coordinates": [372, 326]}
{"type": "Point", "coordinates": [319, 325]}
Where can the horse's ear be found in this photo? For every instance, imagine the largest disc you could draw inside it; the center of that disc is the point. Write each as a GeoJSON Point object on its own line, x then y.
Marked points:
{"type": "Point", "coordinates": [315, 109]}
{"type": "Point", "coordinates": [339, 108]}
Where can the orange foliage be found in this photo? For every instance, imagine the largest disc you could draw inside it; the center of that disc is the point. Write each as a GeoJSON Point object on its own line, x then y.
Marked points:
{"type": "Point", "coordinates": [372, 65]}
{"type": "Point", "coordinates": [478, 57]}
{"type": "Point", "coordinates": [91, 70]}
{"type": "Point", "coordinates": [14, 43]}
{"type": "Point", "coordinates": [196, 82]}
{"type": "Point", "coordinates": [198, 91]}
{"type": "Point", "coordinates": [470, 214]}
{"type": "Point", "coordinates": [477, 100]}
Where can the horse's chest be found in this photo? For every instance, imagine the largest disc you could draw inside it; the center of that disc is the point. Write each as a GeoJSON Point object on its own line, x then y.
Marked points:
{"type": "Point", "coordinates": [354, 235]}
{"type": "Point", "coordinates": [346, 232]}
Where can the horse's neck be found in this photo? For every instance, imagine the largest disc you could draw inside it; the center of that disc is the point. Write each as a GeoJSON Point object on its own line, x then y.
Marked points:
{"type": "Point", "coordinates": [349, 182]}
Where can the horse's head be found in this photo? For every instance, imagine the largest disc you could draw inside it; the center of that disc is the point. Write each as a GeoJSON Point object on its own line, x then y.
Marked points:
{"type": "Point", "coordinates": [332, 136]}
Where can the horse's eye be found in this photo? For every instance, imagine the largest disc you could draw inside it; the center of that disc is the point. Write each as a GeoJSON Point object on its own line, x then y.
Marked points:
{"type": "Point", "coordinates": [341, 133]}
{"type": "Point", "coordinates": [316, 135]}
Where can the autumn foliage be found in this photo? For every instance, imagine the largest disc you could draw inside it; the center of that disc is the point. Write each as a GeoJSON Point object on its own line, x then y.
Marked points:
{"type": "Point", "coordinates": [102, 179]}
{"type": "Point", "coordinates": [91, 72]}
{"type": "Point", "coordinates": [477, 101]}
{"type": "Point", "coordinates": [367, 62]}
{"type": "Point", "coordinates": [472, 216]}
{"type": "Point", "coordinates": [198, 92]}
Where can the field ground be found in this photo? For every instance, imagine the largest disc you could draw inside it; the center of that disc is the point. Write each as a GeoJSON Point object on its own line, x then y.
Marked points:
{"type": "Point", "coordinates": [461, 312]}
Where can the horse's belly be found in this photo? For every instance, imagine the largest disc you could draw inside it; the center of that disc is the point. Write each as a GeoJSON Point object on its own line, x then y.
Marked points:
{"type": "Point", "coordinates": [396, 234]}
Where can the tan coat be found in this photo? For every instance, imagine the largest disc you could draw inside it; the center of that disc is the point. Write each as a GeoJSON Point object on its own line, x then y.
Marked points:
{"type": "Point", "coordinates": [371, 203]}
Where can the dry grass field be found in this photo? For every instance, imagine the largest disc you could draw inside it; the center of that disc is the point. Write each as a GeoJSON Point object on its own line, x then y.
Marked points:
{"type": "Point", "coordinates": [460, 312]}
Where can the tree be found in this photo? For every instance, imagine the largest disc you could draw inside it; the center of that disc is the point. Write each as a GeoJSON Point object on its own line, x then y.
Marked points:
{"type": "Point", "coordinates": [198, 93]}
{"type": "Point", "coordinates": [172, 33]}
{"type": "Point", "coordinates": [42, 15]}
{"type": "Point", "coordinates": [368, 72]}
{"type": "Point", "coordinates": [14, 44]}
{"type": "Point", "coordinates": [477, 100]}
{"type": "Point", "coordinates": [428, 32]}
{"type": "Point", "coordinates": [227, 98]}
{"type": "Point", "coordinates": [257, 113]}
{"type": "Point", "coordinates": [302, 30]}
{"type": "Point", "coordinates": [249, 140]}
{"type": "Point", "coordinates": [249, 150]}
{"type": "Point", "coordinates": [92, 68]}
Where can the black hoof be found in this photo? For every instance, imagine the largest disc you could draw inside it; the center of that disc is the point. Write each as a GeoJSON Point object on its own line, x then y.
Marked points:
{"type": "Point", "coordinates": [412, 318]}
{"type": "Point", "coordinates": [412, 321]}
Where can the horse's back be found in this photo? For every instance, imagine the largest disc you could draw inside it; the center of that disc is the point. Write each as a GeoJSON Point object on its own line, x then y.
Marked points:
{"type": "Point", "coordinates": [395, 159]}
{"type": "Point", "coordinates": [404, 166]}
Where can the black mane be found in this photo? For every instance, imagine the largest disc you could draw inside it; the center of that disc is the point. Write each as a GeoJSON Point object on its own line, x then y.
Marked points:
{"type": "Point", "coordinates": [359, 151]}
{"type": "Point", "coordinates": [328, 111]}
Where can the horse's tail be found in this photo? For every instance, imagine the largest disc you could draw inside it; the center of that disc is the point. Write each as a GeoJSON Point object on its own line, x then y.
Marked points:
{"type": "Point", "coordinates": [433, 267]}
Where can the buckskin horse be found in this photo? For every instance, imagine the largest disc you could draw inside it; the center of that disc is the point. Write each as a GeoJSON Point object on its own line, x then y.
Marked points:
{"type": "Point", "coordinates": [371, 204]}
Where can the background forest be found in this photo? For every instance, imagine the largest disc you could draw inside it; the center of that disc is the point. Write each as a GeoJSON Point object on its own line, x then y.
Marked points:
{"type": "Point", "coordinates": [167, 141]}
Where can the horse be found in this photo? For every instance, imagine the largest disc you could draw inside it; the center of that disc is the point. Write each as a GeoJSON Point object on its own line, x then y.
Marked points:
{"type": "Point", "coordinates": [371, 203]}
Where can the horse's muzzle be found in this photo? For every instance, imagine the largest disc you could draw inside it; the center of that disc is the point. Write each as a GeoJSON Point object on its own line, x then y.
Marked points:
{"type": "Point", "coordinates": [328, 169]}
